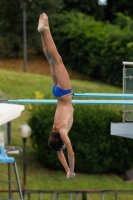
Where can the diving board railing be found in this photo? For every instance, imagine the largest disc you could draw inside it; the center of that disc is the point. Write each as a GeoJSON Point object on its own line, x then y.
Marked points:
{"type": "Point", "coordinates": [88, 95]}
{"type": "Point", "coordinates": [126, 63]}
{"type": "Point", "coordinates": [127, 89]}
{"type": "Point", "coordinates": [76, 101]}
{"type": "Point", "coordinates": [79, 101]}
{"type": "Point", "coordinates": [103, 95]}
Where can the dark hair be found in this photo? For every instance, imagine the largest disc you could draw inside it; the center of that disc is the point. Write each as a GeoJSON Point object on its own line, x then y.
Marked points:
{"type": "Point", "coordinates": [55, 141]}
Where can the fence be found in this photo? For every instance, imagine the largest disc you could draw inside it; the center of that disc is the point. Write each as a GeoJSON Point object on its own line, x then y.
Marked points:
{"type": "Point", "coordinates": [72, 194]}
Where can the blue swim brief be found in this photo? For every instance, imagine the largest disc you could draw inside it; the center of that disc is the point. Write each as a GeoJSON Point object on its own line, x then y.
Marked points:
{"type": "Point", "coordinates": [58, 92]}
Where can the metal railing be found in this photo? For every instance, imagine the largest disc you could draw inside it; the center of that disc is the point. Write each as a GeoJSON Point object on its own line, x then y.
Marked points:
{"type": "Point", "coordinates": [71, 194]}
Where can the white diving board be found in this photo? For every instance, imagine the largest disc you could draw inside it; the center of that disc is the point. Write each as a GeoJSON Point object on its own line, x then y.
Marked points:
{"type": "Point", "coordinates": [122, 129]}
{"type": "Point", "coordinates": [9, 112]}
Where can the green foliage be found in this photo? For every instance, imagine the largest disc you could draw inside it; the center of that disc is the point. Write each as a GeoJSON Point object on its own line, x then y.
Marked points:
{"type": "Point", "coordinates": [34, 9]}
{"type": "Point", "coordinates": [96, 151]}
{"type": "Point", "coordinates": [124, 21]}
{"type": "Point", "coordinates": [104, 13]}
{"type": "Point", "coordinates": [11, 23]}
{"type": "Point", "coordinates": [94, 48]}
{"type": "Point", "coordinates": [10, 49]}
{"type": "Point", "coordinates": [11, 31]}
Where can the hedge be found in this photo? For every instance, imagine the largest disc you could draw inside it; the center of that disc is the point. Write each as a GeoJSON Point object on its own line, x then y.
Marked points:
{"type": "Point", "coordinates": [92, 47]}
{"type": "Point", "coordinates": [96, 151]}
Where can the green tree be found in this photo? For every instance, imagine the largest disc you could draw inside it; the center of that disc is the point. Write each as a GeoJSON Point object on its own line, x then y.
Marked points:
{"type": "Point", "coordinates": [108, 12]}
{"type": "Point", "coordinates": [34, 9]}
{"type": "Point", "coordinates": [11, 22]}
{"type": "Point", "coordinates": [10, 26]}
{"type": "Point", "coordinates": [92, 47]}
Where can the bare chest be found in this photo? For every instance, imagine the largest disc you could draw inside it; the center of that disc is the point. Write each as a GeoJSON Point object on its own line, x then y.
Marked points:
{"type": "Point", "coordinates": [64, 117]}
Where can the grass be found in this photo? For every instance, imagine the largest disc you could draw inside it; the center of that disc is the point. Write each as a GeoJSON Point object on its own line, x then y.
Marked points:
{"type": "Point", "coordinates": [18, 85]}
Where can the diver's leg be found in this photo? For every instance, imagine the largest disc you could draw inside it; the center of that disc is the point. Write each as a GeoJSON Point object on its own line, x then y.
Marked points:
{"type": "Point", "coordinates": [52, 68]}
{"type": "Point", "coordinates": [61, 73]}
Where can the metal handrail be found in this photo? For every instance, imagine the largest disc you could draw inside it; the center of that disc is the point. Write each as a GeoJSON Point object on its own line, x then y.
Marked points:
{"type": "Point", "coordinates": [56, 194]}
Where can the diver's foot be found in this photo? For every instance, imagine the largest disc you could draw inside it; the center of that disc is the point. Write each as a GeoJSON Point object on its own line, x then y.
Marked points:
{"type": "Point", "coordinates": [43, 23]}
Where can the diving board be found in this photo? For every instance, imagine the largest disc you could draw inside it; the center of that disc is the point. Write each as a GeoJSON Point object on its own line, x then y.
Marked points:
{"type": "Point", "coordinates": [122, 129]}
{"type": "Point", "coordinates": [9, 112]}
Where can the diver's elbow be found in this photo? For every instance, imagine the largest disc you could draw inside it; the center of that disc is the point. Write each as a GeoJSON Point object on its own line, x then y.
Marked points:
{"type": "Point", "coordinates": [71, 154]}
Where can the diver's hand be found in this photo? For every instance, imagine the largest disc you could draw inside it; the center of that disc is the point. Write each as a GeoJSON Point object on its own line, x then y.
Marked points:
{"type": "Point", "coordinates": [70, 175]}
